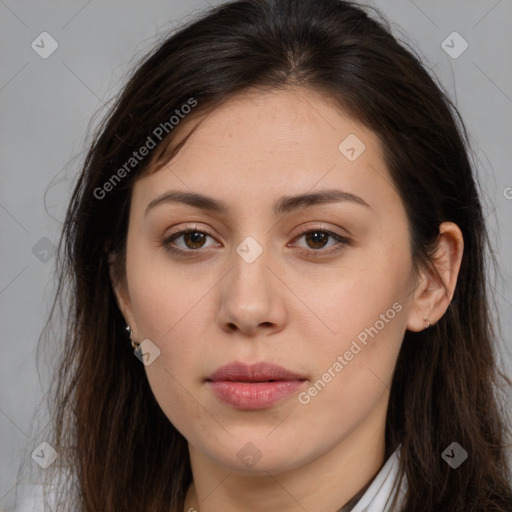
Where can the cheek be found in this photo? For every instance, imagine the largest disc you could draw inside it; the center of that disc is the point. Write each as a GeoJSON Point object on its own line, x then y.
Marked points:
{"type": "Point", "coordinates": [163, 294]}
{"type": "Point", "coordinates": [356, 294]}
{"type": "Point", "coordinates": [363, 311]}
{"type": "Point", "coordinates": [165, 315]}
{"type": "Point", "coordinates": [166, 305]}
{"type": "Point", "coordinates": [169, 379]}
{"type": "Point", "coordinates": [168, 315]}
{"type": "Point", "coordinates": [354, 367]}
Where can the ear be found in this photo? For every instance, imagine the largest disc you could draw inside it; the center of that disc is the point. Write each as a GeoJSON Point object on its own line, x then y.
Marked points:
{"type": "Point", "coordinates": [122, 294]}
{"type": "Point", "coordinates": [436, 285]}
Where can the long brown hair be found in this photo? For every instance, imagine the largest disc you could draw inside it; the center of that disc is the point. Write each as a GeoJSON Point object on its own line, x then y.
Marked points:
{"type": "Point", "coordinates": [115, 443]}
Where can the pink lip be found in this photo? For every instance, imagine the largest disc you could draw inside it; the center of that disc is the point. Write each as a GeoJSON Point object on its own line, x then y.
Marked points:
{"type": "Point", "coordinates": [248, 387]}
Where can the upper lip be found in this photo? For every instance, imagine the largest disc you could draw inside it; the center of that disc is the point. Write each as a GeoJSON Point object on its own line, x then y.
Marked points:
{"type": "Point", "coordinates": [258, 372]}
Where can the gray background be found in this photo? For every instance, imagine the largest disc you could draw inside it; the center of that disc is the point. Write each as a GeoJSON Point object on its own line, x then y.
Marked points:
{"type": "Point", "coordinates": [46, 107]}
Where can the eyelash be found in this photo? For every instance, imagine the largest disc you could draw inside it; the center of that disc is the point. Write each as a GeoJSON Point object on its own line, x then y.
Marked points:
{"type": "Point", "coordinates": [342, 242]}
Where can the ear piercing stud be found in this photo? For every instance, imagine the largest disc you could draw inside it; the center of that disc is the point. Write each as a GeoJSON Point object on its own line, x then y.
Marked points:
{"type": "Point", "coordinates": [130, 334]}
{"type": "Point", "coordinates": [426, 322]}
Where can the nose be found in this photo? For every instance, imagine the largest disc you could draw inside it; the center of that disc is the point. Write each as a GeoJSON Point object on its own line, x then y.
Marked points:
{"type": "Point", "coordinates": [252, 298]}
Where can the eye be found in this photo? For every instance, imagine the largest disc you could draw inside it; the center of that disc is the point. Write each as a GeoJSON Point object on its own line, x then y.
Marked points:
{"type": "Point", "coordinates": [193, 239]}
{"type": "Point", "coordinates": [318, 239]}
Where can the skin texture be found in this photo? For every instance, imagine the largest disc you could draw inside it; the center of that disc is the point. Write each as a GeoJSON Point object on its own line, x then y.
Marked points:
{"type": "Point", "coordinates": [211, 307]}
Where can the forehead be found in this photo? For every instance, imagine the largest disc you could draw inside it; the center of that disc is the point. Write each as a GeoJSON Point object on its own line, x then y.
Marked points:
{"type": "Point", "coordinates": [292, 119]}
{"type": "Point", "coordinates": [289, 139]}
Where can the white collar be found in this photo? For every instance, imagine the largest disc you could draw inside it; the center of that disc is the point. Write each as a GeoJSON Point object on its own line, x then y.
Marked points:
{"type": "Point", "coordinates": [379, 495]}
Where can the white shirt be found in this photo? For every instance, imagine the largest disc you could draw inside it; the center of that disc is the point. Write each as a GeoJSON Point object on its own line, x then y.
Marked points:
{"type": "Point", "coordinates": [380, 494]}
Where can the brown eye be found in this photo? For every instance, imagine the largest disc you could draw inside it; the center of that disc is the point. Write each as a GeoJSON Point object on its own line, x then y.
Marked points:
{"type": "Point", "coordinates": [192, 241]}
{"type": "Point", "coordinates": [318, 242]}
{"type": "Point", "coordinates": [318, 239]}
{"type": "Point", "coordinates": [196, 238]}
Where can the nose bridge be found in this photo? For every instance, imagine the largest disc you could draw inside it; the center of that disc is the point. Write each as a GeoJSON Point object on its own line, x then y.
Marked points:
{"type": "Point", "coordinates": [250, 261]}
{"type": "Point", "coordinates": [250, 249]}
{"type": "Point", "coordinates": [250, 297]}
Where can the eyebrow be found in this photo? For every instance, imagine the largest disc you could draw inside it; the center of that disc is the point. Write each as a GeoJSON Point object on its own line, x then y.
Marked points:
{"type": "Point", "coordinates": [285, 204]}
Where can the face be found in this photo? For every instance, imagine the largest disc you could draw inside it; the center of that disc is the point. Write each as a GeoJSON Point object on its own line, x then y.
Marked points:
{"type": "Point", "coordinates": [322, 287]}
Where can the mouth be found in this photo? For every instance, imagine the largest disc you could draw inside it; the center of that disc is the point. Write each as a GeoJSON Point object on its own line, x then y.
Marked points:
{"type": "Point", "coordinates": [258, 372]}
{"type": "Point", "coordinates": [255, 386]}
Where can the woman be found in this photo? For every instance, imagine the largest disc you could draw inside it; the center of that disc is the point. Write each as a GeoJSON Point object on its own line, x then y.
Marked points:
{"type": "Point", "coordinates": [280, 216]}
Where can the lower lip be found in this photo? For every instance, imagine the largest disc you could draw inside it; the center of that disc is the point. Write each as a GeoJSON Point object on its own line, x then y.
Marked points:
{"type": "Point", "coordinates": [254, 395]}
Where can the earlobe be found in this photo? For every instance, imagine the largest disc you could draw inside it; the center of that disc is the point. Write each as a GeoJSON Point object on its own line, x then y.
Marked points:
{"type": "Point", "coordinates": [435, 290]}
